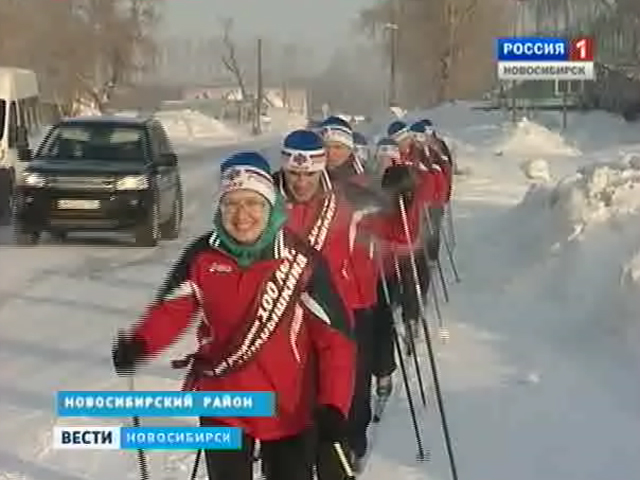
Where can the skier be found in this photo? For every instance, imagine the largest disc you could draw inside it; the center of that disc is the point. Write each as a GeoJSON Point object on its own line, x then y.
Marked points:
{"type": "Point", "coordinates": [412, 154]}
{"type": "Point", "coordinates": [298, 347]}
{"type": "Point", "coordinates": [322, 213]}
{"type": "Point", "coordinates": [346, 173]}
{"type": "Point", "coordinates": [399, 131]}
{"type": "Point", "coordinates": [399, 258]}
{"type": "Point", "coordinates": [431, 152]}
{"type": "Point", "coordinates": [339, 143]}
{"type": "Point", "coordinates": [435, 140]}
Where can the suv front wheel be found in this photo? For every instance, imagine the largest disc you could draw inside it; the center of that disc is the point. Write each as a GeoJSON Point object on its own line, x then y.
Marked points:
{"type": "Point", "coordinates": [170, 230]}
{"type": "Point", "coordinates": [6, 196]}
{"type": "Point", "coordinates": [25, 236]}
{"type": "Point", "coordinates": [148, 233]}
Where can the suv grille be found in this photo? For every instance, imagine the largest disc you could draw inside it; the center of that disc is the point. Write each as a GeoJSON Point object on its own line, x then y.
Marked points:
{"type": "Point", "coordinates": [82, 183]}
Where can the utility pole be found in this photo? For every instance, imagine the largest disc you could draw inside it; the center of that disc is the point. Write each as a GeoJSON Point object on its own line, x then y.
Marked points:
{"type": "Point", "coordinates": [257, 124]}
{"type": "Point", "coordinates": [516, 32]}
{"type": "Point", "coordinates": [392, 26]}
{"type": "Point", "coordinates": [567, 83]}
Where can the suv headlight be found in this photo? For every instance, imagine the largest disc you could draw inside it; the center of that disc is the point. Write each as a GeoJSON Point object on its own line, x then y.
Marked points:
{"type": "Point", "coordinates": [33, 180]}
{"type": "Point", "coordinates": [132, 182]}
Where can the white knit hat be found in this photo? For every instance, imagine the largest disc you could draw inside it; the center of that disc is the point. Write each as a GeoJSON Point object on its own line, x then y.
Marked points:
{"type": "Point", "coordinates": [247, 171]}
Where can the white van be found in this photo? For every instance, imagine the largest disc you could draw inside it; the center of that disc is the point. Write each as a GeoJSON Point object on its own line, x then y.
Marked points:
{"type": "Point", "coordinates": [20, 126]}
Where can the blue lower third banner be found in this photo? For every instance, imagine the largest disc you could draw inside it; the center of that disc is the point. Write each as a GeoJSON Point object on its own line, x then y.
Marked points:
{"type": "Point", "coordinates": [165, 404]}
{"type": "Point", "coordinates": [149, 438]}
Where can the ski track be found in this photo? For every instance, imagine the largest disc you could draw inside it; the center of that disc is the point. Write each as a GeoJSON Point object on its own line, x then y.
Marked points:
{"type": "Point", "coordinates": [526, 397]}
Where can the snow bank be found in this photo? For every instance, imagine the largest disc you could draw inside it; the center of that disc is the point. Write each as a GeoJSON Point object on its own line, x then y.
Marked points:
{"type": "Point", "coordinates": [576, 243]}
{"type": "Point", "coordinates": [536, 170]}
{"type": "Point", "coordinates": [528, 138]}
{"type": "Point", "coordinates": [192, 130]}
{"type": "Point", "coordinates": [596, 193]}
{"type": "Point", "coordinates": [282, 121]}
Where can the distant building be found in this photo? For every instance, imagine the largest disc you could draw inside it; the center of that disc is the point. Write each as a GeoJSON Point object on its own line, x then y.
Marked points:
{"type": "Point", "coordinates": [292, 99]}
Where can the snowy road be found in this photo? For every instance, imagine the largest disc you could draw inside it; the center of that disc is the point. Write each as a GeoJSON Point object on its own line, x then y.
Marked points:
{"type": "Point", "coordinates": [539, 377]}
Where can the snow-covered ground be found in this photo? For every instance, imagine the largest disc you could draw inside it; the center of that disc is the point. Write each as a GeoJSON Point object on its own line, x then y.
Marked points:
{"type": "Point", "coordinates": [191, 130]}
{"type": "Point", "coordinates": [540, 374]}
{"type": "Point", "coordinates": [539, 377]}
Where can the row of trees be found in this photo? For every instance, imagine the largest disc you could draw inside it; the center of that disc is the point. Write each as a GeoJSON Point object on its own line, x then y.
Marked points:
{"type": "Point", "coordinates": [444, 49]}
{"type": "Point", "coordinates": [614, 23]}
{"type": "Point", "coordinates": [82, 49]}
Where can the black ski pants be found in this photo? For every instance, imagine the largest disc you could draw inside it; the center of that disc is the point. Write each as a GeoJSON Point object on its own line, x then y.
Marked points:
{"type": "Point", "coordinates": [290, 458]}
{"type": "Point", "coordinates": [436, 215]}
{"type": "Point", "coordinates": [360, 414]}
{"type": "Point", "coordinates": [408, 295]}
{"type": "Point", "coordinates": [383, 357]}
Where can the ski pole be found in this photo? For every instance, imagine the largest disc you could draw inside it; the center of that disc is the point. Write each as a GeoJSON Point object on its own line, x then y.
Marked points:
{"type": "Point", "coordinates": [449, 214]}
{"type": "Point", "coordinates": [403, 367]}
{"type": "Point", "coordinates": [452, 261]}
{"type": "Point", "coordinates": [412, 340]}
{"type": "Point", "coordinates": [343, 461]}
{"type": "Point", "coordinates": [432, 360]}
{"type": "Point", "coordinates": [196, 465]}
{"type": "Point", "coordinates": [142, 457]}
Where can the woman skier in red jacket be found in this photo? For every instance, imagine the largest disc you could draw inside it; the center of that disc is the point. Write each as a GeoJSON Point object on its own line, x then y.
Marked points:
{"type": "Point", "coordinates": [297, 346]}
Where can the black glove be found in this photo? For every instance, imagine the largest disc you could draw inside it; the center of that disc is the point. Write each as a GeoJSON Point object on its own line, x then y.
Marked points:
{"type": "Point", "coordinates": [127, 353]}
{"type": "Point", "coordinates": [399, 180]}
{"type": "Point", "coordinates": [330, 423]}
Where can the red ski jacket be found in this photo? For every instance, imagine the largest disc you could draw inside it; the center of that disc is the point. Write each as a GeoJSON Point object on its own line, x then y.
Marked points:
{"type": "Point", "coordinates": [432, 191]}
{"type": "Point", "coordinates": [278, 326]}
{"type": "Point", "coordinates": [387, 226]}
{"type": "Point", "coordinates": [333, 227]}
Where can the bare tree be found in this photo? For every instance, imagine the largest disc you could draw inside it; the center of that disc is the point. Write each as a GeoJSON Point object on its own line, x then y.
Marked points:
{"type": "Point", "coordinates": [230, 57]}
{"type": "Point", "coordinates": [444, 47]}
{"type": "Point", "coordinates": [82, 50]}
{"type": "Point", "coordinates": [119, 40]}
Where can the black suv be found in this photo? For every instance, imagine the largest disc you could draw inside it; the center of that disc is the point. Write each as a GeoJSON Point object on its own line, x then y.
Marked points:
{"type": "Point", "coordinates": [101, 174]}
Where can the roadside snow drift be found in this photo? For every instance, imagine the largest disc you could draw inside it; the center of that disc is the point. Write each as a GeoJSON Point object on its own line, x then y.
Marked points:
{"type": "Point", "coordinates": [528, 138]}
{"type": "Point", "coordinates": [192, 130]}
{"type": "Point", "coordinates": [586, 231]}
{"type": "Point", "coordinates": [540, 373]}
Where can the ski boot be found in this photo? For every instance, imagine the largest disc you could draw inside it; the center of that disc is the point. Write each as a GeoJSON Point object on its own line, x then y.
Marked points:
{"type": "Point", "coordinates": [384, 387]}
{"type": "Point", "coordinates": [357, 462]}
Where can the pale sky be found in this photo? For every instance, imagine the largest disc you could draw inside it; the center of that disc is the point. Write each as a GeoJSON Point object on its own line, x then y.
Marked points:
{"type": "Point", "coordinates": [321, 23]}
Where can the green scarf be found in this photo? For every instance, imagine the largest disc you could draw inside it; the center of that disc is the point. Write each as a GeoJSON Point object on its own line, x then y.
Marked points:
{"type": "Point", "coordinates": [245, 255]}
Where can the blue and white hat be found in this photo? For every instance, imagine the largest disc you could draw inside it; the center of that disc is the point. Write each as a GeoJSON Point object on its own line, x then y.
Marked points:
{"type": "Point", "coordinates": [398, 131]}
{"type": "Point", "coordinates": [425, 125]}
{"type": "Point", "coordinates": [247, 171]}
{"type": "Point", "coordinates": [335, 129]}
{"type": "Point", "coordinates": [303, 151]}
{"type": "Point", "coordinates": [418, 131]}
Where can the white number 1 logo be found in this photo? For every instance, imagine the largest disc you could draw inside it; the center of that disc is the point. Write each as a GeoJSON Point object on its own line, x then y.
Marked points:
{"type": "Point", "coordinates": [581, 45]}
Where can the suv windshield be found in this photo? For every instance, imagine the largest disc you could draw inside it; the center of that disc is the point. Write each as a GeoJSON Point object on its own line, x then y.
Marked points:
{"type": "Point", "coordinates": [3, 112]}
{"type": "Point", "coordinates": [94, 142]}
